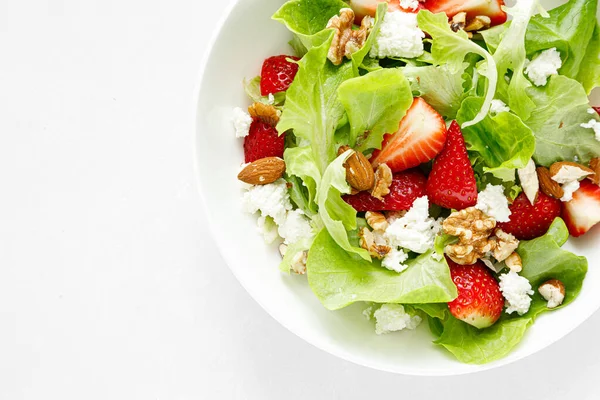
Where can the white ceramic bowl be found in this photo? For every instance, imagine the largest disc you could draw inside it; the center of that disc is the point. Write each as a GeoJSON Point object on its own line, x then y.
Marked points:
{"type": "Point", "coordinates": [245, 38]}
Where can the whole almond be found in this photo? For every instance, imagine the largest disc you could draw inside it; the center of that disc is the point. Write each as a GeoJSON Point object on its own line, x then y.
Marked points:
{"type": "Point", "coordinates": [264, 171]}
{"type": "Point", "coordinates": [547, 185]}
{"type": "Point", "coordinates": [359, 172]}
{"type": "Point", "coordinates": [595, 166]}
{"type": "Point", "coordinates": [582, 172]}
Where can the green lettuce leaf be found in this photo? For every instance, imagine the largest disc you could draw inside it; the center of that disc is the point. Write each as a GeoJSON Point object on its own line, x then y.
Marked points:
{"type": "Point", "coordinates": [252, 88]}
{"type": "Point", "coordinates": [451, 48]}
{"type": "Point", "coordinates": [561, 107]}
{"type": "Point", "coordinates": [589, 74]}
{"type": "Point", "coordinates": [312, 108]}
{"type": "Point", "coordinates": [502, 141]}
{"type": "Point", "coordinates": [300, 162]}
{"type": "Point", "coordinates": [359, 56]}
{"type": "Point", "coordinates": [339, 278]}
{"type": "Point", "coordinates": [375, 102]}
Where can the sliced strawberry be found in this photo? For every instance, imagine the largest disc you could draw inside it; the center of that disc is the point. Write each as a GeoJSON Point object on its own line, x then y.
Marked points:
{"type": "Point", "coordinates": [363, 8]}
{"type": "Point", "coordinates": [473, 8]}
{"type": "Point", "coordinates": [597, 109]}
{"type": "Point", "coordinates": [406, 187]}
{"type": "Point", "coordinates": [277, 74]}
{"type": "Point", "coordinates": [583, 212]}
{"type": "Point", "coordinates": [263, 141]}
{"type": "Point", "coordinates": [479, 302]}
{"type": "Point", "coordinates": [420, 137]}
{"type": "Point", "coordinates": [451, 183]}
{"type": "Point", "coordinates": [530, 221]}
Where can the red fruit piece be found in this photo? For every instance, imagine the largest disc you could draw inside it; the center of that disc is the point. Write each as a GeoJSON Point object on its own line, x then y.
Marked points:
{"type": "Point", "coordinates": [530, 221]}
{"type": "Point", "coordinates": [363, 8]}
{"type": "Point", "coordinates": [479, 302]}
{"type": "Point", "coordinates": [597, 109]}
{"type": "Point", "coordinates": [263, 141]}
{"type": "Point", "coordinates": [420, 137]}
{"type": "Point", "coordinates": [451, 183]}
{"type": "Point", "coordinates": [473, 8]}
{"type": "Point", "coordinates": [406, 187]}
{"type": "Point", "coordinates": [277, 74]}
{"type": "Point", "coordinates": [583, 212]}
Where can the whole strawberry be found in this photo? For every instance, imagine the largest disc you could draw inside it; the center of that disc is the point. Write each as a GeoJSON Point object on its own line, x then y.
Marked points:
{"type": "Point", "coordinates": [406, 187]}
{"type": "Point", "coordinates": [451, 183]}
{"type": "Point", "coordinates": [277, 74]}
{"type": "Point", "coordinates": [479, 302]}
{"type": "Point", "coordinates": [263, 141]}
{"type": "Point", "coordinates": [530, 221]}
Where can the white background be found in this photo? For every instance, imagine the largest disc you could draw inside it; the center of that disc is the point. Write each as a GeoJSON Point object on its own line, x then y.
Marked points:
{"type": "Point", "coordinates": [110, 284]}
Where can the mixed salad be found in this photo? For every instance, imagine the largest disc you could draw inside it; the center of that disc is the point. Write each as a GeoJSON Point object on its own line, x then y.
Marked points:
{"type": "Point", "coordinates": [429, 159]}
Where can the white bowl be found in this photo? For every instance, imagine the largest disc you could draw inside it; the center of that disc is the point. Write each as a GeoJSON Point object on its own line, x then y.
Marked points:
{"type": "Point", "coordinates": [245, 38]}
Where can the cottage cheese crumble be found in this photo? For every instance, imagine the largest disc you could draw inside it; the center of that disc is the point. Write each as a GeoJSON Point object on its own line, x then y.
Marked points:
{"type": "Point", "coordinates": [414, 231]}
{"type": "Point", "coordinates": [393, 317]}
{"type": "Point", "coordinates": [394, 260]}
{"type": "Point", "coordinates": [498, 106]}
{"type": "Point", "coordinates": [494, 203]}
{"type": "Point", "coordinates": [547, 63]}
{"type": "Point", "coordinates": [595, 125]}
{"type": "Point", "coordinates": [241, 122]}
{"type": "Point", "coordinates": [517, 291]}
{"type": "Point", "coordinates": [398, 36]}
{"type": "Point", "coordinates": [409, 4]}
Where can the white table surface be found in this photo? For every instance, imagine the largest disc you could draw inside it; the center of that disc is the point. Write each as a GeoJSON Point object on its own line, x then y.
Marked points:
{"type": "Point", "coordinates": [110, 285]}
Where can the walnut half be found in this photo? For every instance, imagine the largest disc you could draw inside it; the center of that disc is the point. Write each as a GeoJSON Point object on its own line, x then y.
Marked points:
{"type": "Point", "coordinates": [473, 228]}
{"type": "Point", "coordinates": [347, 41]}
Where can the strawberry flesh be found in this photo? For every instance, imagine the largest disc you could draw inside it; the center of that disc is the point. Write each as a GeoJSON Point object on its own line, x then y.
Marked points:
{"type": "Point", "coordinates": [583, 211]}
{"type": "Point", "coordinates": [473, 8]}
{"type": "Point", "coordinates": [479, 302]}
{"type": "Point", "coordinates": [263, 141]}
{"type": "Point", "coordinates": [420, 137]}
{"type": "Point", "coordinates": [406, 187]}
{"type": "Point", "coordinates": [597, 109]}
{"type": "Point", "coordinates": [451, 183]}
{"type": "Point", "coordinates": [530, 221]}
{"type": "Point", "coordinates": [277, 74]}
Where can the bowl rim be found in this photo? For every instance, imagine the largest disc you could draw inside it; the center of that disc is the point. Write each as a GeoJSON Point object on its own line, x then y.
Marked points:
{"type": "Point", "coordinates": [313, 341]}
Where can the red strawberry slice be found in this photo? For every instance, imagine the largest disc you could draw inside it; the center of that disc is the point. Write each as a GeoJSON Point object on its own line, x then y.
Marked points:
{"type": "Point", "coordinates": [263, 141]}
{"type": "Point", "coordinates": [583, 212]}
{"type": "Point", "coordinates": [420, 137]}
{"type": "Point", "coordinates": [473, 8]}
{"type": "Point", "coordinates": [597, 109]}
{"type": "Point", "coordinates": [406, 187]}
{"type": "Point", "coordinates": [530, 221]}
{"type": "Point", "coordinates": [363, 8]}
{"type": "Point", "coordinates": [479, 302]}
{"type": "Point", "coordinates": [451, 183]}
{"type": "Point", "coordinates": [277, 74]}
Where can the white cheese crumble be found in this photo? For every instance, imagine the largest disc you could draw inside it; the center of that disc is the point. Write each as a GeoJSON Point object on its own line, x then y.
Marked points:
{"type": "Point", "coordinates": [546, 63]}
{"type": "Point", "coordinates": [552, 294]}
{"type": "Point", "coordinates": [393, 317]}
{"type": "Point", "coordinates": [568, 189]}
{"type": "Point", "coordinates": [271, 99]}
{"type": "Point", "coordinates": [394, 260]}
{"type": "Point", "coordinates": [268, 228]}
{"type": "Point", "coordinates": [295, 227]}
{"type": "Point", "coordinates": [415, 231]}
{"type": "Point", "coordinates": [494, 203]}
{"type": "Point", "coordinates": [568, 173]}
{"type": "Point", "coordinates": [409, 4]}
{"type": "Point", "coordinates": [498, 106]}
{"type": "Point", "coordinates": [529, 181]}
{"type": "Point", "coordinates": [517, 291]}
{"type": "Point", "coordinates": [241, 122]}
{"type": "Point", "coordinates": [398, 36]}
{"type": "Point", "coordinates": [595, 125]}
{"type": "Point", "coordinates": [591, 111]}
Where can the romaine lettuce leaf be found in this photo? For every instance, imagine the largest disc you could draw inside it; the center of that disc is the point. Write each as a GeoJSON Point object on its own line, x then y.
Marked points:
{"type": "Point", "coordinates": [561, 107]}
{"type": "Point", "coordinates": [502, 141]}
{"type": "Point", "coordinates": [312, 108]}
{"type": "Point", "coordinates": [339, 278]}
{"type": "Point", "coordinates": [451, 48]}
{"type": "Point", "coordinates": [375, 102]}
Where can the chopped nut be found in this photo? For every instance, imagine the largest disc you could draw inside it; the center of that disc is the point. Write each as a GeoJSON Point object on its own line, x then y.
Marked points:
{"type": "Point", "coordinates": [529, 181]}
{"type": "Point", "coordinates": [298, 262]}
{"type": "Point", "coordinates": [478, 23]}
{"type": "Point", "coordinates": [506, 244]}
{"type": "Point", "coordinates": [345, 40]}
{"type": "Point", "coordinates": [473, 229]}
{"type": "Point", "coordinates": [376, 220]}
{"type": "Point", "coordinates": [262, 172]}
{"type": "Point", "coordinates": [458, 21]}
{"type": "Point", "coordinates": [548, 186]}
{"type": "Point", "coordinates": [383, 181]}
{"type": "Point", "coordinates": [282, 249]}
{"type": "Point", "coordinates": [514, 262]}
{"type": "Point", "coordinates": [553, 291]}
{"type": "Point", "coordinates": [359, 172]}
{"type": "Point", "coordinates": [595, 166]}
{"type": "Point", "coordinates": [264, 112]}
{"type": "Point", "coordinates": [369, 241]}
{"type": "Point", "coordinates": [566, 171]}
